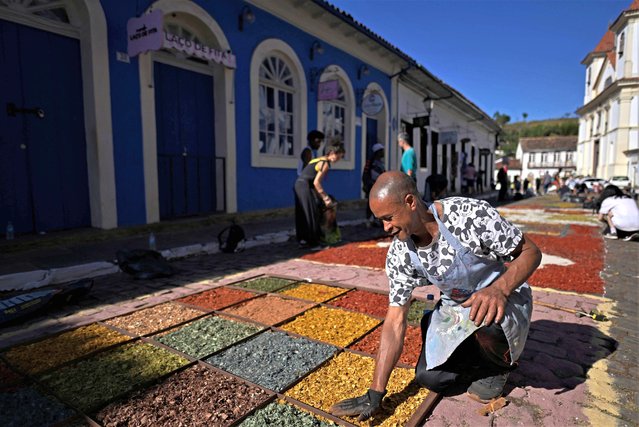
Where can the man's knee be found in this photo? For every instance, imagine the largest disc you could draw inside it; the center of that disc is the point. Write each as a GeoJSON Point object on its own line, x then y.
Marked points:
{"type": "Point", "coordinates": [437, 381]}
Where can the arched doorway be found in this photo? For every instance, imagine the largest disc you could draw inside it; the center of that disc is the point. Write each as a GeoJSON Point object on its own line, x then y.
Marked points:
{"type": "Point", "coordinates": [189, 139]}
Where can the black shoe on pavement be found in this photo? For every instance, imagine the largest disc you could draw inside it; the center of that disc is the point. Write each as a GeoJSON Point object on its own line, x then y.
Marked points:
{"type": "Point", "coordinates": [486, 389]}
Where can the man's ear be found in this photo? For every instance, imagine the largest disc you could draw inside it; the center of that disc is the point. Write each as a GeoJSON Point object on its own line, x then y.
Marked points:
{"type": "Point", "coordinates": [409, 199]}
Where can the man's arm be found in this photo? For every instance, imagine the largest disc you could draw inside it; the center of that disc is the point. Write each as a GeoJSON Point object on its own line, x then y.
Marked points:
{"type": "Point", "coordinates": [306, 156]}
{"type": "Point", "coordinates": [488, 305]}
{"type": "Point", "coordinates": [390, 346]}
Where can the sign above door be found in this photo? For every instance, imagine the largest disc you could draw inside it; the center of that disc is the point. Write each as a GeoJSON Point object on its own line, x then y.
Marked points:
{"type": "Point", "coordinates": [146, 33]}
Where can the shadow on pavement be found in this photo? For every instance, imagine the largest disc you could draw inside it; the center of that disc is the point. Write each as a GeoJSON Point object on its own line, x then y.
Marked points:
{"type": "Point", "coordinates": [558, 355]}
{"type": "Point", "coordinates": [120, 287]}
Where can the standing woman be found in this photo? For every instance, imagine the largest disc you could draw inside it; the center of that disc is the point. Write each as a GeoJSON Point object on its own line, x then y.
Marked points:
{"type": "Point", "coordinates": [309, 195]}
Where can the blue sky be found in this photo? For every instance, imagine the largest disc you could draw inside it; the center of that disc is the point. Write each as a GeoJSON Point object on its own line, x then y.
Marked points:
{"type": "Point", "coordinates": [511, 56]}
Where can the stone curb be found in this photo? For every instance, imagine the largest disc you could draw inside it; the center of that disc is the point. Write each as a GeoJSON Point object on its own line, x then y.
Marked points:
{"type": "Point", "coordinates": [29, 280]}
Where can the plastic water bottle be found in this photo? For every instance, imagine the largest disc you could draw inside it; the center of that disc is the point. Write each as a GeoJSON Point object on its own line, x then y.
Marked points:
{"type": "Point", "coordinates": [10, 231]}
{"type": "Point", "coordinates": [152, 244]}
{"type": "Point", "coordinates": [430, 304]}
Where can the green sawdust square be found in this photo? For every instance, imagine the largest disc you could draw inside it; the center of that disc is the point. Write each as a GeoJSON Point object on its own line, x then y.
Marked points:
{"type": "Point", "coordinates": [265, 284]}
{"type": "Point", "coordinates": [90, 383]}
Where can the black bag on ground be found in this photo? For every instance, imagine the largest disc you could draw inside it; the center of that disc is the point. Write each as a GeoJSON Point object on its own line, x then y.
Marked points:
{"type": "Point", "coordinates": [144, 264]}
{"type": "Point", "coordinates": [231, 239]}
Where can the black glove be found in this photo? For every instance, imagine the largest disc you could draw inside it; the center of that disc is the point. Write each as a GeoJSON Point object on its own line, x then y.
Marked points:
{"type": "Point", "coordinates": [364, 406]}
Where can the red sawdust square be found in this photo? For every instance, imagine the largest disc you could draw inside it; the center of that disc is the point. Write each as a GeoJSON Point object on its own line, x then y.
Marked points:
{"type": "Point", "coordinates": [412, 344]}
{"type": "Point", "coordinates": [365, 254]}
{"type": "Point", "coordinates": [582, 245]}
{"type": "Point", "coordinates": [216, 299]}
{"type": "Point", "coordinates": [364, 302]}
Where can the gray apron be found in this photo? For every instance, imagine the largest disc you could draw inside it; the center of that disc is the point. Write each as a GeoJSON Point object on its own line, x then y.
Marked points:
{"type": "Point", "coordinates": [450, 324]}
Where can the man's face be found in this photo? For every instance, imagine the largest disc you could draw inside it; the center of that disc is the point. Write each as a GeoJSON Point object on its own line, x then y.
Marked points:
{"type": "Point", "coordinates": [396, 216]}
{"type": "Point", "coordinates": [316, 142]}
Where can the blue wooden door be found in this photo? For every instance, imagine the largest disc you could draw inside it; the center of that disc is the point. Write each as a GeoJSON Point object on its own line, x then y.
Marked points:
{"type": "Point", "coordinates": [43, 165]}
{"type": "Point", "coordinates": [186, 141]}
{"type": "Point", "coordinates": [371, 135]}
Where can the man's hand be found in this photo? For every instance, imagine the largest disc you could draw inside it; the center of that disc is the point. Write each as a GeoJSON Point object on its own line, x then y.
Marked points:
{"type": "Point", "coordinates": [488, 305]}
{"type": "Point", "coordinates": [364, 406]}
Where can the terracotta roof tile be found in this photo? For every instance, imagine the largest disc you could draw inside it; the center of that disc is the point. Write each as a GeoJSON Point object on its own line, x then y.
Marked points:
{"type": "Point", "coordinates": [634, 5]}
{"type": "Point", "coordinates": [549, 143]}
{"type": "Point", "coordinates": [606, 43]}
{"type": "Point", "coordinates": [513, 164]}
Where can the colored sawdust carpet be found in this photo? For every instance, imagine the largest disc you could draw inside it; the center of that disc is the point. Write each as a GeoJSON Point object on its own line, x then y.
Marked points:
{"type": "Point", "coordinates": [371, 253]}
{"type": "Point", "coordinates": [578, 243]}
{"type": "Point", "coordinates": [581, 245]}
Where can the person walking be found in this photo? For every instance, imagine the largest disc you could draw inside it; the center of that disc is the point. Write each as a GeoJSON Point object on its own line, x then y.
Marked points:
{"type": "Point", "coordinates": [479, 327]}
{"type": "Point", "coordinates": [310, 196]}
{"type": "Point", "coordinates": [502, 179]}
{"type": "Point", "coordinates": [373, 168]}
{"type": "Point", "coordinates": [409, 159]}
{"type": "Point", "coordinates": [470, 175]}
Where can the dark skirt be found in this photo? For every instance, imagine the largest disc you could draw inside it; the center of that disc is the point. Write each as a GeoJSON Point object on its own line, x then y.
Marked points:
{"type": "Point", "coordinates": [307, 213]}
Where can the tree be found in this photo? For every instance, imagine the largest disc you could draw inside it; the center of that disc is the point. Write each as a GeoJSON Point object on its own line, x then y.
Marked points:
{"type": "Point", "coordinates": [524, 115]}
{"type": "Point", "coordinates": [501, 119]}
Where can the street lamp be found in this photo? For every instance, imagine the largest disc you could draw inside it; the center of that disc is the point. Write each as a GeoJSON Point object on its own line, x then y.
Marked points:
{"type": "Point", "coordinates": [429, 103]}
{"type": "Point", "coordinates": [316, 49]}
{"type": "Point", "coordinates": [246, 17]}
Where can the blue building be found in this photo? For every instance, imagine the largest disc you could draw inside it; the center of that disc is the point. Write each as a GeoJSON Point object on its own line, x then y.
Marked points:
{"type": "Point", "coordinates": [130, 112]}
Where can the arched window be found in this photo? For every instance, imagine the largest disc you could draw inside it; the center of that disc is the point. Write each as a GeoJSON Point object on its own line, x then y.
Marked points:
{"type": "Point", "coordinates": [277, 94]}
{"type": "Point", "coordinates": [53, 10]}
{"type": "Point", "coordinates": [336, 114]}
{"type": "Point", "coordinates": [278, 106]}
{"type": "Point", "coordinates": [622, 42]}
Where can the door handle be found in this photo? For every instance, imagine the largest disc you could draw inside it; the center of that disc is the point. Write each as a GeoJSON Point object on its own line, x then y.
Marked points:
{"type": "Point", "coordinates": [12, 110]}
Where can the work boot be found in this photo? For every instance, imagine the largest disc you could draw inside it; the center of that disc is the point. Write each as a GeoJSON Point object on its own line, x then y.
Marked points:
{"type": "Point", "coordinates": [486, 389]}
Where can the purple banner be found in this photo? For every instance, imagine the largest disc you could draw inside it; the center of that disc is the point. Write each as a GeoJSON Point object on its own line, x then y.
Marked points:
{"type": "Point", "coordinates": [145, 33]}
{"type": "Point", "coordinates": [328, 90]}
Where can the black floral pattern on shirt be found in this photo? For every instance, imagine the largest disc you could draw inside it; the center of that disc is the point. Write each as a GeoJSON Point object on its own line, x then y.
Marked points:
{"type": "Point", "coordinates": [476, 224]}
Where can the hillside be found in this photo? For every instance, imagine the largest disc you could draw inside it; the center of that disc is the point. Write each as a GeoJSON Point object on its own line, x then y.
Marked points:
{"type": "Point", "coordinates": [513, 131]}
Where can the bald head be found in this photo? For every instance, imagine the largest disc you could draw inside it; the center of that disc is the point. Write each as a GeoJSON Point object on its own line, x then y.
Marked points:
{"type": "Point", "coordinates": [393, 186]}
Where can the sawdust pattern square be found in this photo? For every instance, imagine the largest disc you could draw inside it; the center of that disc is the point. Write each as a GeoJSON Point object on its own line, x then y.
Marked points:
{"type": "Point", "coordinates": [196, 396]}
{"type": "Point", "coordinates": [416, 311]}
{"type": "Point", "coordinates": [349, 375]}
{"type": "Point", "coordinates": [365, 254]}
{"type": "Point", "coordinates": [265, 284]}
{"type": "Point", "coordinates": [51, 352]}
{"type": "Point", "coordinates": [216, 299]}
{"type": "Point", "coordinates": [583, 246]}
{"type": "Point", "coordinates": [282, 414]}
{"type": "Point", "coordinates": [313, 292]}
{"type": "Point", "coordinates": [364, 302]}
{"type": "Point", "coordinates": [29, 406]}
{"type": "Point", "coordinates": [90, 383]}
{"type": "Point", "coordinates": [269, 309]}
{"type": "Point", "coordinates": [153, 319]}
{"type": "Point", "coordinates": [412, 344]}
{"type": "Point", "coordinates": [273, 359]}
{"type": "Point", "coordinates": [206, 336]}
{"type": "Point", "coordinates": [331, 325]}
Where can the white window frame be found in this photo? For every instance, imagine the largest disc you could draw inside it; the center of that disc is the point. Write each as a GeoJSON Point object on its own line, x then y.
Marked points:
{"type": "Point", "coordinates": [279, 49]}
{"type": "Point", "coordinates": [335, 72]}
